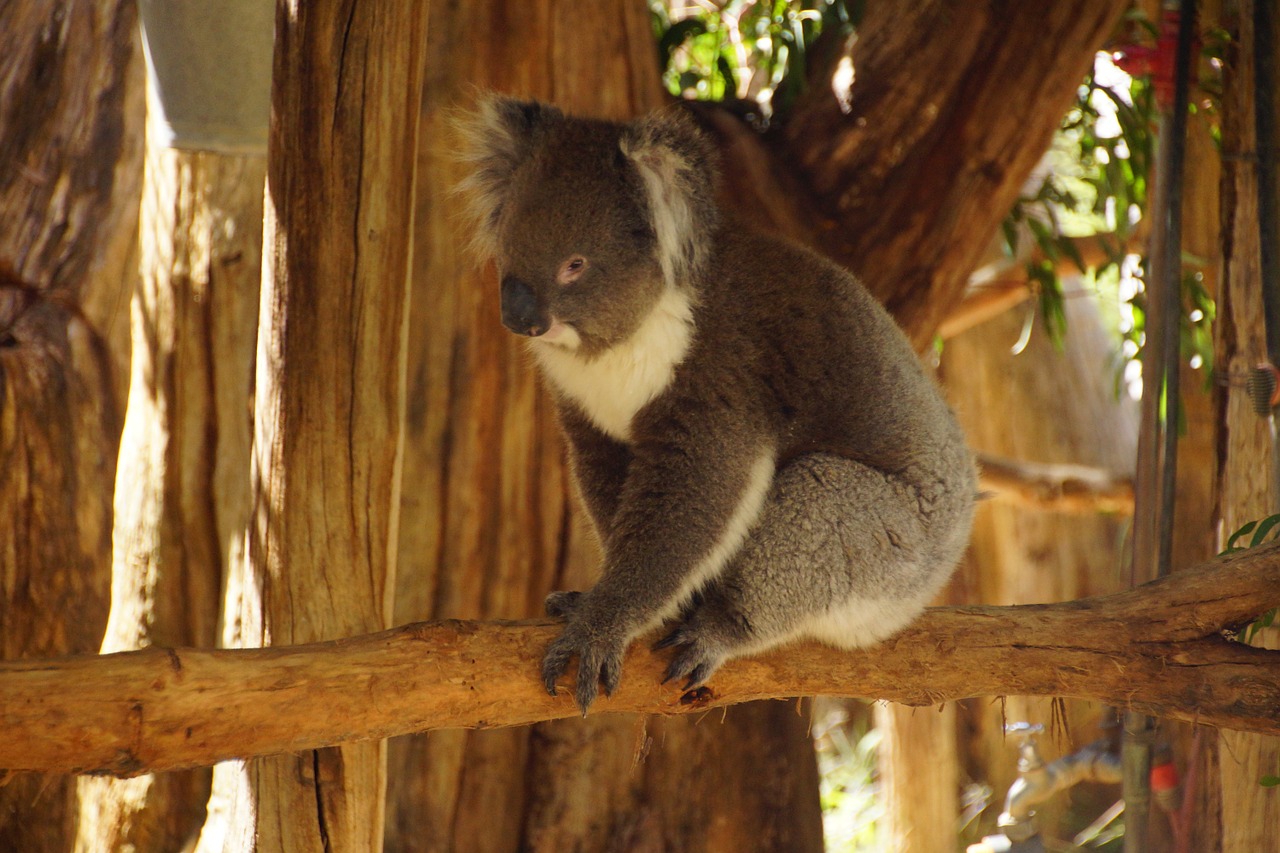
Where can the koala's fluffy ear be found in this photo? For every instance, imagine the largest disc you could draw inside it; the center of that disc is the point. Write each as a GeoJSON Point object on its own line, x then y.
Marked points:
{"type": "Point", "coordinates": [676, 162]}
{"type": "Point", "coordinates": [494, 139]}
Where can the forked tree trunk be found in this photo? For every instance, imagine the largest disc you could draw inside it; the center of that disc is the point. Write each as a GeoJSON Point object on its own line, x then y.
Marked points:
{"type": "Point", "coordinates": [70, 145]}
{"type": "Point", "coordinates": [1246, 489]}
{"type": "Point", "coordinates": [912, 157]}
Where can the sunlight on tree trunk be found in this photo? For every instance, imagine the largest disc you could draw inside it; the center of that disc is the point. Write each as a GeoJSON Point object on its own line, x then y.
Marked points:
{"type": "Point", "coordinates": [182, 486]}
{"type": "Point", "coordinates": [1246, 492]}
{"type": "Point", "coordinates": [329, 395]}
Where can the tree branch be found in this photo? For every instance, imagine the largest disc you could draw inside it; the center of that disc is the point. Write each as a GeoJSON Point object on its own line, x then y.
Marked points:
{"type": "Point", "coordinates": [1157, 649]}
{"type": "Point", "coordinates": [1057, 487]}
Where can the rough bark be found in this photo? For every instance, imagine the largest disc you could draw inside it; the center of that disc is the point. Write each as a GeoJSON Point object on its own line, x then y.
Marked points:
{"type": "Point", "coordinates": [329, 392]}
{"type": "Point", "coordinates": [1158, 649]}
{"type": "Point", "coordinates": [70, 142]}
{"type": "Point", "coordinates": [1246, 490]}
{"type": "Point", "coordinates": [57, 459]}
{"type": "Point", "coordinates": [924, 138]}
{"type": "Point", "coordinates": [71, 118]}
{"type": "Point", "coordinates": [182, 491]}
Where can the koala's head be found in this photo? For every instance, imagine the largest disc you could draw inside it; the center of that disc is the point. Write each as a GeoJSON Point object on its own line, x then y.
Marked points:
{"type": "Point", "coordinates": [589, 222]}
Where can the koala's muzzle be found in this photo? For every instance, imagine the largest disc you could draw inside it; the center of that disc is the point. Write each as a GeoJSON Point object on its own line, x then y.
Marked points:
{"type": "Point", "coordinates": [520, 311]}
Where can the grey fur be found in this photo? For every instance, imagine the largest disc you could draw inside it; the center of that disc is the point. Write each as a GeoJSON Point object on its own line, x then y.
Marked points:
{"type": "Point", "coordinates": [756, 443]}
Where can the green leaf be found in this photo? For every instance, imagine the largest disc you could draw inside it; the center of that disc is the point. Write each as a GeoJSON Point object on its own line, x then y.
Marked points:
{"type": "Point", "coordinates": [1044, 237]}
{"type": "Point", "coordinates": [1070, 249]}
{"type": "Point", "coordinates": [1232, 547]}
{"type": "Point", "coordinates": [1264, 527]}
{"type": "Point", "coordinates": [1269, 781]}
{"type": "Point", "coordinates": [1010, 231]}
{"type": "Point", "coordinates": [677, 35]}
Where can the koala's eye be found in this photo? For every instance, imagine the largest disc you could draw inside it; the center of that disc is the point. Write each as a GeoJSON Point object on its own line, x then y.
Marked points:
{"type": "Point", "coordinates": [572, 269]}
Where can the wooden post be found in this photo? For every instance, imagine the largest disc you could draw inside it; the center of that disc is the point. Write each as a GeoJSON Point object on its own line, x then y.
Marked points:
{"type": "Point", "coordinates": [329, 406]}
{"type": "Point", "coordinates": [1250, 812]}
{"type": "Point", "coordinates": [182, 487]}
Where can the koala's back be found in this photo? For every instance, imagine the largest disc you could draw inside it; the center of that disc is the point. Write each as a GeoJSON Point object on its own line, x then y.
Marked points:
{"type": "Point", "coordinates": [785, 335]}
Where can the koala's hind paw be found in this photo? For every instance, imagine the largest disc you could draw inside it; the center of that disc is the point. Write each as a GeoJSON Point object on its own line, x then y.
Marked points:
{"type": "Point", "coordinates": [711, 633]}
{"type": "Point", "coordinates": [562, 604]}
{"type": "Point", "coordinates": [599, 662]}
{"type": "Point", "coordinates": [695, 662]}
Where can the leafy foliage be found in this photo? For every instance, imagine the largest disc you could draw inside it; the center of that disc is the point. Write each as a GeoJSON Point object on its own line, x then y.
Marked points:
{"type": "Point", "coordinates": [1096, 183]}
{"type": "Point", "coordinates": [849, 790]}
{"type": "Point", "coordinates": [1258, 533]}
{"type": "Point", "coordinates": [750, 50]}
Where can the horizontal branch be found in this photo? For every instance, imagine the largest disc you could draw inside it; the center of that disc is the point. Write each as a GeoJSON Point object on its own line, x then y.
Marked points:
{"type": "Point", "coordinates": [1156, 649]}
{"type": "Point", "coordinates": [983, 301]}
{"type": "Point", "coordinates": [1061, 488]}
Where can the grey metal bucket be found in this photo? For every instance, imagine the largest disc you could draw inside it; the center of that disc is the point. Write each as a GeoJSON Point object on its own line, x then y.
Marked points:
{"type": "Point", "coordinates": [209, 71]}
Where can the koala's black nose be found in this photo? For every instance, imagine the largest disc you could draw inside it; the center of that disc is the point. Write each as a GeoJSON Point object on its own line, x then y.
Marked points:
{"type": "Point", "coordinates": [520, 308]}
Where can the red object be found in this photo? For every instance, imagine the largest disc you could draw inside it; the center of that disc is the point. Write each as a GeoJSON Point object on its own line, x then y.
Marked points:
{"type": "Point", "coordinates": [1159, 61]}
{"type": "Point", "coordinates": [1164, 777]}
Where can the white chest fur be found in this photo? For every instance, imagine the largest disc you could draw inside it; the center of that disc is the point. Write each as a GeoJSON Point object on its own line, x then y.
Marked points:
{"type": "Point", "coordinates": [615, 384]}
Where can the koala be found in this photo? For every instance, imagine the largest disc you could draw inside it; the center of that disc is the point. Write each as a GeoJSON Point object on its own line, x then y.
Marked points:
{"type": "Point", "coordinates": [755, 441]}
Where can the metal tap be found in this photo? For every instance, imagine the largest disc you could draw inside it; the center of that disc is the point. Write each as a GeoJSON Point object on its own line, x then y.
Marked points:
{"type": "Point", "coordinates": [1038, 781]}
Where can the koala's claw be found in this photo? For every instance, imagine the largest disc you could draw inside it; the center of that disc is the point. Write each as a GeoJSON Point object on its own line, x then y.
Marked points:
{"type": "Point", "coordinates": [695, 664]}
{"type": "Point", "coordinates": [599, 664]}
{"type": "Point", "coordinates": [709, 636]}
{"type": "Point", "coordinates": [672, 640]}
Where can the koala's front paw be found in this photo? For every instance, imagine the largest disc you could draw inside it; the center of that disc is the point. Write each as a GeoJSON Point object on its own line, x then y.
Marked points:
{"type": "Point", "coordinates": [710, 635]}
{"type": "Point", "coordinates": [597, 643]}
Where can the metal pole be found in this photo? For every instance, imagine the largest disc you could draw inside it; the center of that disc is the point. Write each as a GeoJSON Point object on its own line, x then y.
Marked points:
{"type": "Point", "coordinates": [1157, 462]}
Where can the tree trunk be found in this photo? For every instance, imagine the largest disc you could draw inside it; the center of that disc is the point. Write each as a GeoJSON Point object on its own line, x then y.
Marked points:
{"type": "Point", "coordinates": [71, 126]}
{"type": "Point", "coordinates": [1246, 490]}
{"type": "Point", "coordinates": [57, 458]}
{"type": "Point", "coordinates": [329, 396]}
{"type": "Point", "coordinates": [70, 139]}
{"type": "Point", "coordinates": [919, 777]}
{"type": "Point", "coordinates": [912, 163]}
{"type": "Point", "coordinates": [182, 493]}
